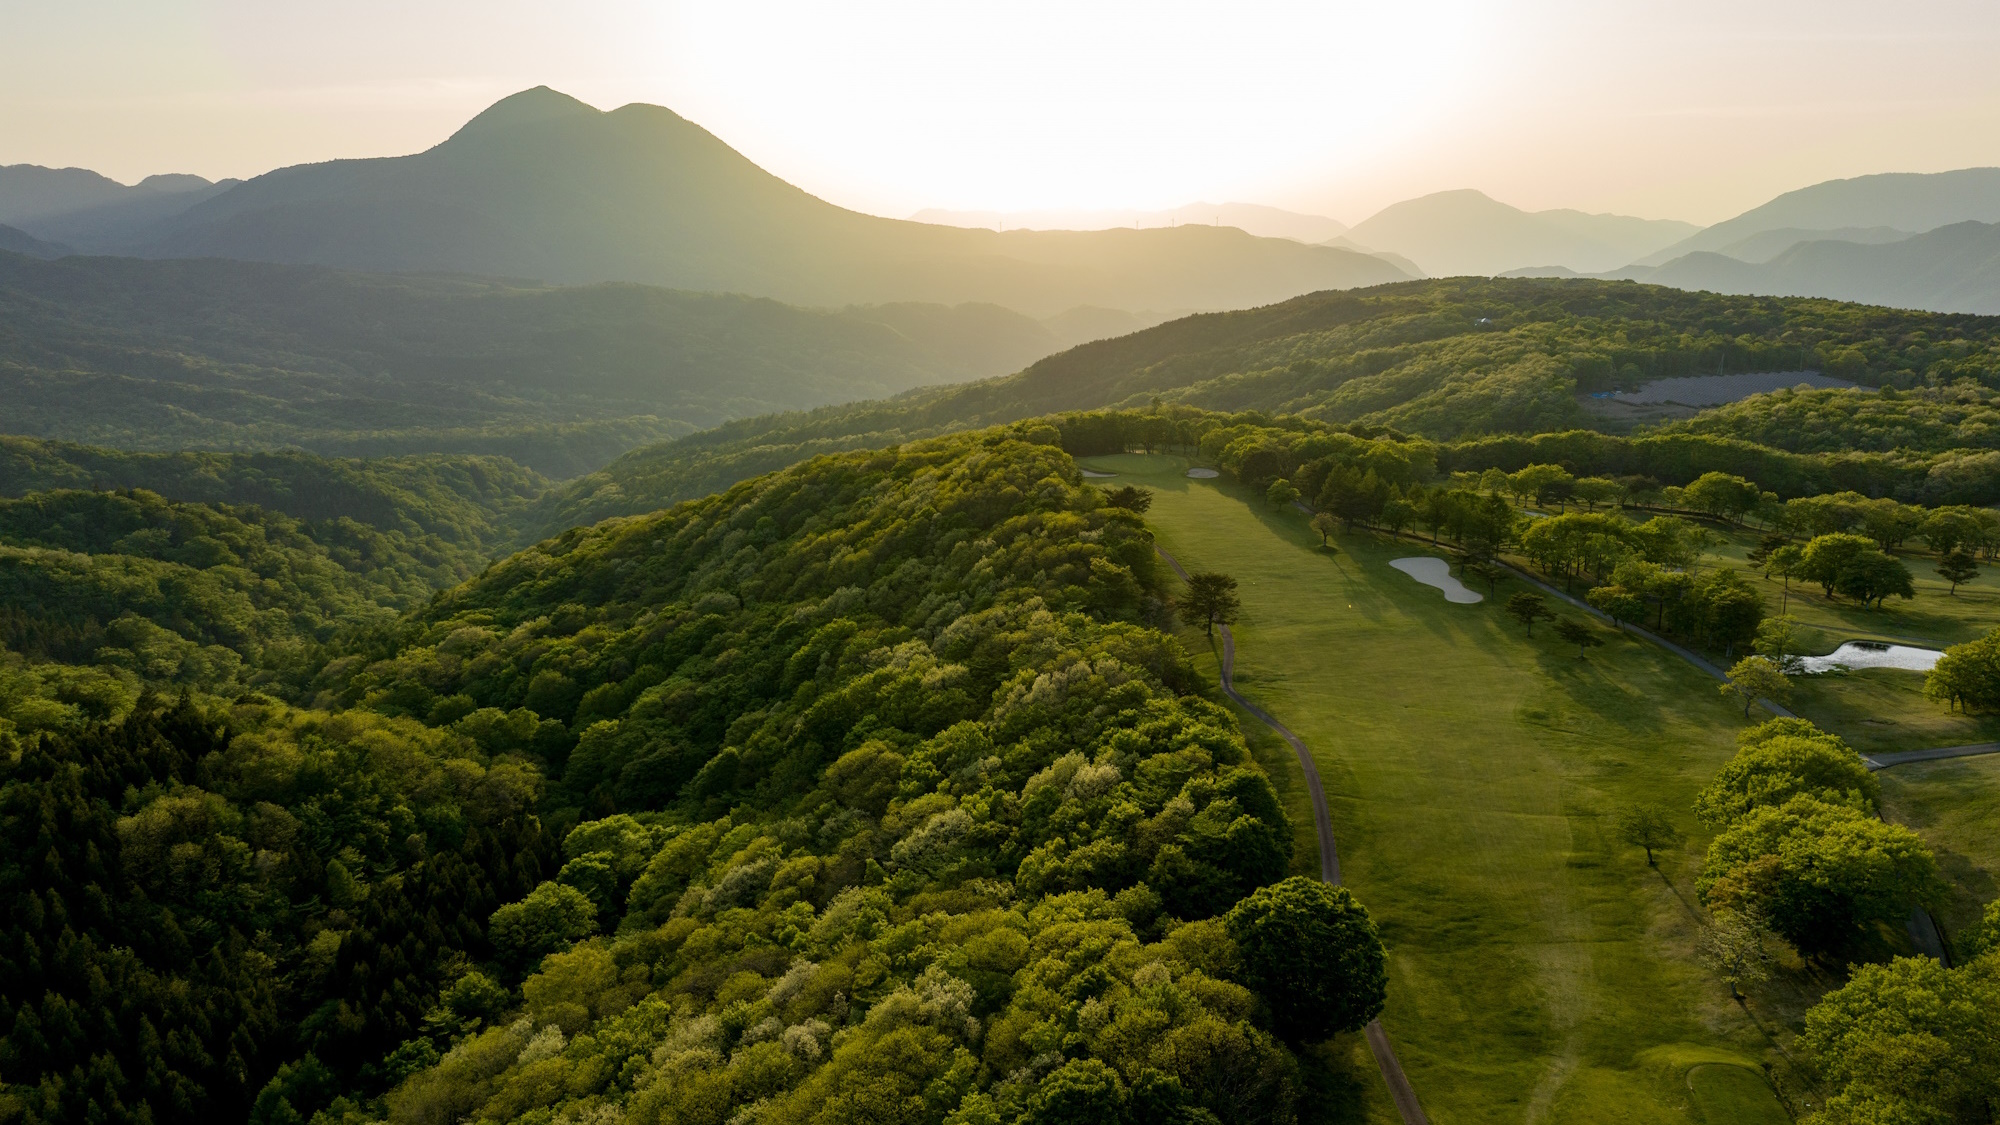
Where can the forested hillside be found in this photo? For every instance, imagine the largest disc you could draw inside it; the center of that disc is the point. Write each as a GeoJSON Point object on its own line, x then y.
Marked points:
{"type": "Point", "coordinates": [1447, 359]}
{"type": "Point", "coordinates": [200, 893]}
{"type": "Point", "coordinates": [187, 593]}
{"type": "Point", "coordinates": [874, 787]}
{"type": "Point", "coordinates": [1929, 419]}
{"type": "Point", "coordinates": [122, 571]}
{"type": "Point", "coordinates": [469, 503]}
{"type": "Point", "coordinates": [233, 355]}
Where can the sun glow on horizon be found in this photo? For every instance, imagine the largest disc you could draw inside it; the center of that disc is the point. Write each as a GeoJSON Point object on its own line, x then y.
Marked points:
{"type": "Point", "coordinates": [1049, 104]}
{"type": "Point", "coordinates": [1690, 109]}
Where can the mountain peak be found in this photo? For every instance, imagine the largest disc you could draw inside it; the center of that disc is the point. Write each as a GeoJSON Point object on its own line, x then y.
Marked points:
{"type": "Point", "coordinates": [527, 108]}
{"type": "Point", "coordinates": [173, 182]}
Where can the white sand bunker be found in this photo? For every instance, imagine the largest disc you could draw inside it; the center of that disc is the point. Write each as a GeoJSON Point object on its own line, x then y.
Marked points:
{"type": "Point", "coordinates": [1203, 474]}
{"type": "Point", "coordinates": [1871, 654]}
{"type": "Point", "coordinates": [1433, 571]}
{"type": "Point", "coordinates": [1095, 473]}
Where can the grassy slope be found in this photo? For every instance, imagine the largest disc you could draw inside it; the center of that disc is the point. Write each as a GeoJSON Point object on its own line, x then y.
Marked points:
{"type": "Point", "coordinates": [1540, 971]}
{"type": "Point", "coordinates": [1880, 709]}
{"type": "Point", "coordinates": [1955, 805]}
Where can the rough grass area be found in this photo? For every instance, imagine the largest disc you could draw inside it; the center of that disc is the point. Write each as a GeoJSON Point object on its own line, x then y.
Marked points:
{"type": "Point", "coordinates": [1876, 710]}
{"type": "Point", "coordinates": [1935, 617]}
{"type": "Point", "coordinates": [1538, 966]}
{"type": "Point", "coordinates": [1955, 804]}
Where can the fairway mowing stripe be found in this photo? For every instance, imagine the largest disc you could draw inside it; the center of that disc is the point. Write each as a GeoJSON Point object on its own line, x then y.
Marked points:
{"type": "Point", "coordinates": [1400, 1090]}
{"type": "Point", "coordinates": [1922, 928]}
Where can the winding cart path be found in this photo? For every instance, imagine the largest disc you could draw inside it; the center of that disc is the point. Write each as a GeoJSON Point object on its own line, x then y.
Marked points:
{"type": "Point", "coordinates": [1400, 1090]}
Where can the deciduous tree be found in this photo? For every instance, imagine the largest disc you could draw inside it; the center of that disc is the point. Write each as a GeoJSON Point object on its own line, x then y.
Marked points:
{"type": "Point", "coordinates": [1617, 602]}
{"type": "Point", "coordinates": [1958, 567]}
{"type": "Point", "coordinates": [1753, 678]}
{"type": "Point", "coordinates": [1732, 946]}
{"type": "Point", "coordinates": [1650, 827]}
{"type": "Point", "coordinates": [1967, 676]}
{"type": "Point", "coordinates": [1528, 608]}
{"type": "Point", "coordinates": [1818, 871]}
{"type": "Point", "coordinates": [1779, 760]}
{"type": "Point", "coordinates": [1909, 1041]}
{"type": "Point", "coordinates": [1311, 951]}
{"type": "Point", "coordinates": [1872, 576]}
{"type": "Point", "coordinates": [1210, 598]}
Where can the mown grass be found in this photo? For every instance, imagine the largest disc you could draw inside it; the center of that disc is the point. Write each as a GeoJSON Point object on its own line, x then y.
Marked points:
{"type": "Point", "coordinates": [1935, 617]}
{"type": "Point", "coordinates": [1955, 805]}
{"type": "Point", "coordinates": [1734, 1095]}
{"type": "Point", "coordinates": [1537, 963]}
{"type": "Point", "coordinates": [1879, 709]}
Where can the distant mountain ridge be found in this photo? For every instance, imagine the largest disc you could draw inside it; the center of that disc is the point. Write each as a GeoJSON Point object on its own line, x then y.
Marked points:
{"type": "Point", "coordinates": [1906, 201]}
{"type": "Point", "coordinates": [543, 186]}
{"type": "Point", "coordinates": [1953, 268]}
{"type": "Point", "coordinates": [1467, 232]}
{"type": "Point", "coordinates": [213, 353]}
{"type": "Point", "coordinates": [1250, 218]}
{"type": "Point", "coordinates": [83, 209]}
{"type": "Point", "coordinates": [17, 241]}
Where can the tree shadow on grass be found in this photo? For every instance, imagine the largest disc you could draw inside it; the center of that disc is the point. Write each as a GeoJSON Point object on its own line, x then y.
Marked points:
{"type": "Point", "coordinates": [1968, 887]}
{"type": "Point", "coordinates": [1594, 689]}
{"type": "Point", "coordinates": [1336, 1086]}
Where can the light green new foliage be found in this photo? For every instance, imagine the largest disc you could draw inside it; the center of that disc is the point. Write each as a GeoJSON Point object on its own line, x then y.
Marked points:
{"type": "Point", "coordinates": [1909, 1041]}
{"type": "Point", "coordinates": [1475, 776]}
{"type": "Point", "coordinates": [1779, 760]}
{"type": "Point", "coordinates": [918, 811]}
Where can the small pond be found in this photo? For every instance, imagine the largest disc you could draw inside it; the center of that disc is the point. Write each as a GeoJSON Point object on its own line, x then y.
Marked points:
{"type": "Point", "coordinates": [1433, 571]}
{"type": "Point", "coordinates": [1093, 473]}
{"type": "Point", "coordinates": [1203, 474]}
{"type": "Point", "coordinates": [1871, 654]}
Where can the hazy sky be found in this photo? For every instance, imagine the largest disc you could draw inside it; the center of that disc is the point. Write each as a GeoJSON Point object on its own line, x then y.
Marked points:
{"type": "Point", "coordinates": [1692, 109]}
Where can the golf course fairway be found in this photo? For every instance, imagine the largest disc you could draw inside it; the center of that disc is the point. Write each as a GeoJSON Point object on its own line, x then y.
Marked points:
{"type": "Point", "coordinates": [1540, 971]}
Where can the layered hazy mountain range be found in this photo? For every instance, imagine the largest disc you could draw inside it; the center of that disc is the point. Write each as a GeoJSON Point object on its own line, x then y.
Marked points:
{"type": "Point", "coordinates": [609, 227]}
{"type": "Point", "coordinates": [544, 187]}
{"type": "Point", "coordinates": [1910, 240]}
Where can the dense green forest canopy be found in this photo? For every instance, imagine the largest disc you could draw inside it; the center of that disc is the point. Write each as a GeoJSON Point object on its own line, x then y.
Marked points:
{"type": "Point", "coordinates": [1959, 415]}
{"type": "Point", "coordinates": [234, 355]}
{"type": "Point", "coordinates": [875, 787]}
{"type": "Point", "coordinates": [647, 478]}
{"type": "Point", "coordinates": [1450, 359]}
{"type": "Point", "coordinates": [220, 570]}
{"type": "Point", "coordinates": [471, 503]}
{"type": "Point", "coordinates": [871, 785]}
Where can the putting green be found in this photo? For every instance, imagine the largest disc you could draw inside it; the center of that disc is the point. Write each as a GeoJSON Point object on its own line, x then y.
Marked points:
{"type": "Point", "coordinates": [1474, 776]}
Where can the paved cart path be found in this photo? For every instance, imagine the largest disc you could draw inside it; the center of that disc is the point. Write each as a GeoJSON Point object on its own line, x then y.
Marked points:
{"type": "Point", "coordinates": [1400, 1090]}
